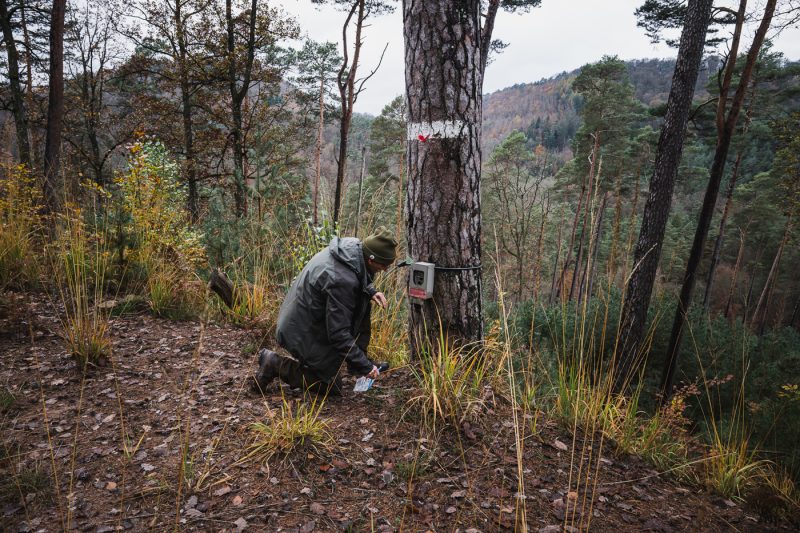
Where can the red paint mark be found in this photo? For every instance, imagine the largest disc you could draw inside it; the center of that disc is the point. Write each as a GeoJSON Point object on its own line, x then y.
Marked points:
{"type": "Point", "coordinates": [423, 138]}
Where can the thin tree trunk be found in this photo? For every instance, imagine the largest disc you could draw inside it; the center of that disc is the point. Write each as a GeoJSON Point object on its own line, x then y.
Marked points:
{"type": "Point", "coordinates": [238, 95]}
{"type": "Point", "coordinates": [654, 219]}
{"type": "Point", "coordinates": [634, 211]}
{"type": "Point", "coordinates": [399, 220]}
{"type": "Point", "coordinates": [347, 94]}
{"type": "Point", "coordinates": [736, 267]}
{"type": "Point", "coordinates": [318, 155]}
{"type": "Point", "coordinates": [186, 112]}
{"type": "Point", "coordinates": [55, 107]}
{"type": "Point", "coordinates": [17, 102]}
{"type": "Point", "coordinates": [710, 200]}
{"type": "Point", "coordinates": [770, 277]}
{"type": "Point", "coordinates": [721, 236]}
{"type": "Point", "coordinates": [728, 202]}
{"type": "Point", "coordinates": [568, 259]}
{"type": "Point", "coordinates": [751, 283]}
{"type": "Point", "coordinates": [537, 278]}
{"type": "Point", "coordinates": [361, 186]}
{"type": "Point", "coordinates": [553, 286]}
{"type": "Point", "coordinates": [598, 235]}
{"type": "Point", "coordinates": [611, 265]}
{"type": "Point", "coordinates": [586, 210]}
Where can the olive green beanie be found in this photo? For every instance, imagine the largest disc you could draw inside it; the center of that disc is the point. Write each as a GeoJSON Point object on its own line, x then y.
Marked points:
{"type": "Point", "coordinates": [381, 246]}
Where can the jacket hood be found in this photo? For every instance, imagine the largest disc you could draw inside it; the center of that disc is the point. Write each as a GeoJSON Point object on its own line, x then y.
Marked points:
{"type": "Point", "coordinates": [348, 250]}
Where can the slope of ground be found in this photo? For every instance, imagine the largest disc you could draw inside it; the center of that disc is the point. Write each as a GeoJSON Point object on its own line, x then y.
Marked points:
{"type": "Point", "coordinates": [177, 395]}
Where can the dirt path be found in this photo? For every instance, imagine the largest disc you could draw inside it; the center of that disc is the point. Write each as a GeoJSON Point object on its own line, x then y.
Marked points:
{"type": "Point", "coordinates": [158, 442]}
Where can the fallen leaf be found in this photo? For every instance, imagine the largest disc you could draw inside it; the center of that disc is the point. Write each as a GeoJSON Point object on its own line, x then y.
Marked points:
{"type": "Point", "coordinates": [560, 445]}
{"type": "Point", "coordinates": [237, 500]}
{"type": "Point", "coordinates": [459, 494]}
{"type": "Point", "coordinates": [111, 486]}
{"type": "Point", "coordinates": [317, 508]}
{"type": "Point", "coordinates": [222, 491]}
{"type": "Point", "coordinates": [147, 467]}
{"type": "Point", "coordinates": [191, 503]}
{"type": "Point", "coordinates": [240, 524]}
{"type": "Point", "coordinates": [450, 510]}
{"type": "Point", "coordinates": [307, 491]}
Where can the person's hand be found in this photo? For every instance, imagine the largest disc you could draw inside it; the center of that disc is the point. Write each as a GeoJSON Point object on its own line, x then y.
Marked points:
{"type": "Point", "coordinates": [373, 373]}
{"type": "Point", "coordinates": [380, 299]}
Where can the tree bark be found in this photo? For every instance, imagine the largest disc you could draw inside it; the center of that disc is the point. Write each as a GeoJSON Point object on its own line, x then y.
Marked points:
{"type": "Point", "coordinates": [17, 102]}
{"type": "Point", "coordinates": [55, 107]}
{"type": "Point", "coordinates": [444, 81]}
{"type": "Point", "coordinates": [656, 211]}
{"type": "Point", "coordinates": [710, 199]}
{"type": "Point", "coordinates": [347, 93]}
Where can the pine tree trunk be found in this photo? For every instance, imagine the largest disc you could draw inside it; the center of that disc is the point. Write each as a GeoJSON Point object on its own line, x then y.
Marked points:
{"type": "Point", "coordinates": [17, 102]}
{"type": "Point", "coordinates": [654, 218]}
{"type": "Point", "coordinates": [443, 90]}
{"type": "Point", "coordinates": [709, 202]}
{"type": "Point", "coordinates": [55, 107]}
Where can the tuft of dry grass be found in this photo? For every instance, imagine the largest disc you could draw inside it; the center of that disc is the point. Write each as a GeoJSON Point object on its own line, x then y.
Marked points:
{"type": "Point", "coordinates": [80, 265]}
{"type": "Point", "coordinates": [296, 426]}
{"type": "Point", "coordinates": [451, 379]}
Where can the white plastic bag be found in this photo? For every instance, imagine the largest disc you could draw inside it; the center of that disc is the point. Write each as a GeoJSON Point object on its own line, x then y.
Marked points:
{"type": "Point", "coordinates": [363, 384]}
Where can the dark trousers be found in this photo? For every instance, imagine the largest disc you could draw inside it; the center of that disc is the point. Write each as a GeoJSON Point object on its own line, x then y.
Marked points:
{"type": "Point", "coordinates": [298, 375]}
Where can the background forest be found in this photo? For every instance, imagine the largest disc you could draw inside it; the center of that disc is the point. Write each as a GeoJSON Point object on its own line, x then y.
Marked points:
{"type": "Point", "coordinates": [194, 135]}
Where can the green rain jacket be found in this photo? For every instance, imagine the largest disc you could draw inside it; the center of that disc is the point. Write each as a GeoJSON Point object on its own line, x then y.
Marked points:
{"type": "Point", "coordinates": [324, 318]}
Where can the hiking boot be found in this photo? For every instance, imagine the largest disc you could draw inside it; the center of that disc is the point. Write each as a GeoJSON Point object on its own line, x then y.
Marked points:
{"type": "Point", "coordinates": [268, 368]}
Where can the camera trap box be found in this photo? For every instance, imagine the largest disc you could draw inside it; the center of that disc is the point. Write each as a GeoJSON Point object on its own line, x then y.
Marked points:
{"type": "Point", "coordinates": [420, 281]}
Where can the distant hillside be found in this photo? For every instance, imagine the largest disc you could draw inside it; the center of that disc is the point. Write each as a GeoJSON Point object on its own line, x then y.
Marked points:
{"type": "Point", "coordinates": [546, 109]}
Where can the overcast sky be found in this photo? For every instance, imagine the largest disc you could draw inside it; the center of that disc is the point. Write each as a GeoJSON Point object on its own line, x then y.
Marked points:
{"type": "Point", "coordinates": [560, 35]}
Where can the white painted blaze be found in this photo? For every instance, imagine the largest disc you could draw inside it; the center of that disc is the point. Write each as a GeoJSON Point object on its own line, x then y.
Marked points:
{"type": "Point", "coordinates": [440, 129]}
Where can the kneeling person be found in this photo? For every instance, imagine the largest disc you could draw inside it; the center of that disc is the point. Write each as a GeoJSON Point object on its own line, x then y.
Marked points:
{"type": "Point", "coordinates": [325, 317]}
